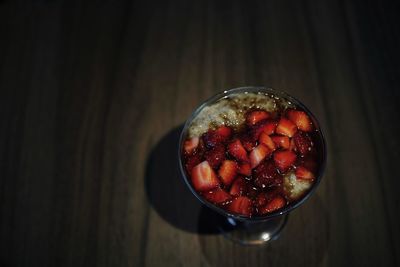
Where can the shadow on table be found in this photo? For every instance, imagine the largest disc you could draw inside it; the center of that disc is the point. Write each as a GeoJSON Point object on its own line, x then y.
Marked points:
{"type": "Point", "coordinates": [168, 193]}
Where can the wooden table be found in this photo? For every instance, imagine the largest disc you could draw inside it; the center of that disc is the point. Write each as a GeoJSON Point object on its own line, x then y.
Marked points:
{"type": "Point", "coordinates": [93, 98]}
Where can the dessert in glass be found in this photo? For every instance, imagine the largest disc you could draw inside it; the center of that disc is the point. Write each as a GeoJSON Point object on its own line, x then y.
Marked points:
{"type": "Point", "coordinates": [252, 154]}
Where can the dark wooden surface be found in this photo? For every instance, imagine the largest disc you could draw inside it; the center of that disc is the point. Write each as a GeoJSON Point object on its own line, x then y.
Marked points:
{"type": "Point", "coordinates": [93, 97]}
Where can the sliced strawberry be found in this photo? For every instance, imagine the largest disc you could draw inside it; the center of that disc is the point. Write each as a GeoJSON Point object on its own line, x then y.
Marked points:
{"type": "Point", "coordinates": [217, 196]}
{"type": "Point", "coordinates": [191, 144]}
{"type": "Point", "coordinates": [266, 175]}
{"type": "Point", "coordinates": [261, 200]}
{"type": "Point", "coordinates": [303, 142]}
{"type": "Point", "coordinates": [266, 140]}
{"type": "Point", "coordinates": [228, 171]}
{"type": "Point", "coordinates": [192, 161]}
{"type": "Point", "coordinates": [266, 126]}
{"type": "Point", "coordinates": [224, 131]}
{"type": "Point", "coordinates": [237, 150]}
{"type": "Point", "coordinates": [255, 116]}
{"type": "Point", "coordinates": [241, 205]}
{"type": "Point", "coordinates": [284, 159]}
{"type": "Point", "coordinates": [245, 169]}
{"type": "Point", "coordinates": [303, 173]}
{"type": "Point", "coordinates": [248, 141]}
{"type": "Point", "coordinates": [204, 177]}
{"type": "Point", "coordinates": [275, 204]}
{"type": "Point", "coordinates": [292, 145]}
{"type": "Point", "coordinates": [239, 187]}
{"type": "Point", "coordinates": [301, 119]}
{"type": "Point", "coordinates": [258, 154]}
{"type": "Point", "coordinates": [213, 138]}
{"type": "Point", "coordinates": [215, 156]}
{"type": "Point", "coordinates": [281, 141]}
{"type": "Point", "coordinates": [270, 127]}
{"type": "Point", "coordinates": [286, 127]}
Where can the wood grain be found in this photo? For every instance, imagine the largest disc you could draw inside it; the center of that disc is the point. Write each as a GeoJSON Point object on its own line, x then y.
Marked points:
{"type": "Point", "coordinates": [93, 97]}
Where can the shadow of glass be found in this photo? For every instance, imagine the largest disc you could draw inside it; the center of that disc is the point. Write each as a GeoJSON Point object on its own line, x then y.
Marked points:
{"type": "Point", "coordinates": [168, 193]}
{"type": "Point", "coordinates": [303, 241]}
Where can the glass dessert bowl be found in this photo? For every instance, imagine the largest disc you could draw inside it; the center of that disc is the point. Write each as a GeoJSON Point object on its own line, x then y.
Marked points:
{"type": "Point", "coordinates": [252, 154]}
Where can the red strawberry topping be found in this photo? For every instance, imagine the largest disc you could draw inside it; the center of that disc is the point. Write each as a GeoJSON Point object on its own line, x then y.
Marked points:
{"type": "Point", "coordinates": [192, 161]}
{"type": "Point", "coordinates": [266, 140]}
{"type": "Point", "coordinates": [275, 204]}
{"type": "Point", "coordinates": [191, 144]}
{"type": "Point", "coordinates": [301, 119]}
{"type": "Point", "coordinates": [245, 169]}
{"type": "Point", "coordinates": [281, 141]}
{"type": "Point", "coordinates": [239, 187]}
{"type": "Point", "coordinates": [266, 126]}
{"type": "Point", "coordinates": [303, 142]}
{"type": "Point", "coordinates": [284, 159]}
{"type": "Point", "coordinates": [248, 142]}
{"type": "Point", "coordinates": [224, 131]}
{"type": "Point", "coordinates": [203, 177]}
{"type": "Point", "coordinates": [255, 116]}
{"type": "Point", "coordinates": [303, 173]}
{"type": "Point", "coordinates": [237, 150]}
{"type": "Point", "coordinates": [258, 154]}
{"type": "Point", "coordinates": [228, 171]}
{"type": "Point", "coordinates": [292, 145]}
{"type": "Point", "coordinates": [266, 175]}
{"type": "Point", "coordinates": [217, 195]}
{"type": "Point", "coordinates": [286, 127]}
{"type": "Point", "coordinates": [215, 156]}
{"type": "Point", "coordinates": [241, 205]}
{"type": "Point", "coordinates": [242, 169]}
{"type": "Point", "coordinates": [213, 138]}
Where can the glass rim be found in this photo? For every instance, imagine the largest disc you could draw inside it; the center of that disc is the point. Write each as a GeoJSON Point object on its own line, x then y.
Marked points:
{"type": "Point", "coordinates": [253, 89]}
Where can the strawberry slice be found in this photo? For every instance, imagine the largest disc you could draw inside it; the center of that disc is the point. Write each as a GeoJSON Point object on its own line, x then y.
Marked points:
{"type": "Point", "coordinates": [281, 141]}
{"type": "Point", "coordinates": [215, 156]}
{"type": "Point", "coordinates": [228, 171]}
{"type": "Point", "coordinates": [204, 177]}
{"type": "Point", "coordinates": [192, 161]}
{"type": "Point", "coordinates": [191, 144]}
{"type": "Point", "coordinates": [292, 145]}
{"type": "Point", "coordinates": [237, 150]}
{"type": "Point", "coordinates": [241, 205]}
{"type": "Point", "coordinates": [303, 173]}
{"type": "Point", "coordinates": [248, 141]}
{"type": "Point", "coordinates": [266, 175]}
{"type": "Point", "coordinates": [217, 196]}
{"type": "Point", "coordinates": [213, 138]}
{"type": "Point", "coordinates": [255, 116]}
{"type": "Point", "coordinates": [266, 140]}
{"type": "Point", "coordinates": [239, 187]}
{"type": "Point", "coordinates": [258, 154]}
{"type": "Point", "coordinates": [224, 131]}
{"type": "Point", "coordinates": [269, 127]}
{"type": "Point", "coordinates": [303, 142]}
{"type": "Point", "coordinates": [275, 204]}
{"type": "Point", "coordinates": [301, 119]}
{"type": "Point", "coordinates": [266, 126]}
{"type": "Point", "coordinates": [284, 159]}
{"type": "Point", "coordinates": [286, 127]}
{"type": "Point", "coordinates": [245, 169]}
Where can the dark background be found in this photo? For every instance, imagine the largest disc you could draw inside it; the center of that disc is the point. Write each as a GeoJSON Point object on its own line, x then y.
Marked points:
{"type": "Point", "coordinates": [93, 95]}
